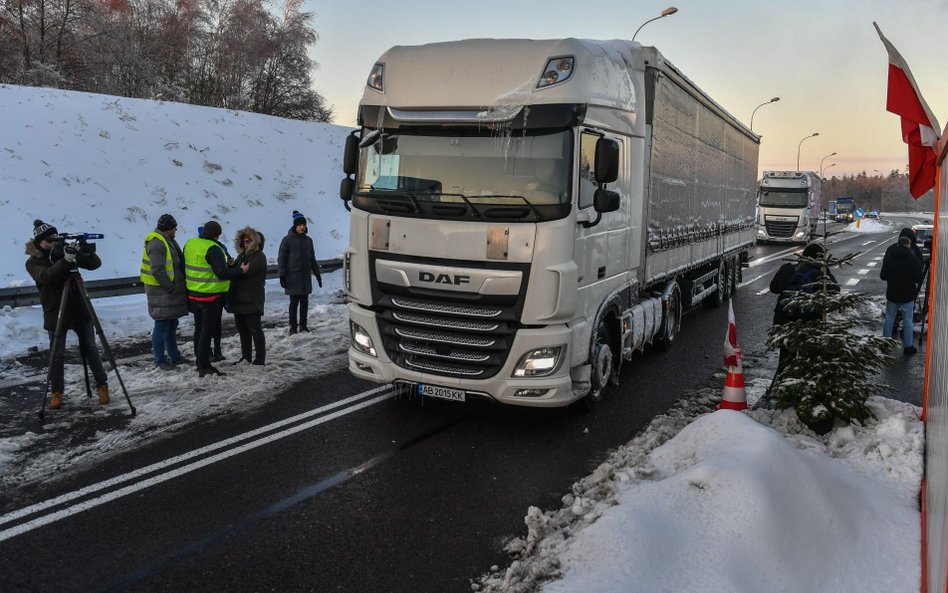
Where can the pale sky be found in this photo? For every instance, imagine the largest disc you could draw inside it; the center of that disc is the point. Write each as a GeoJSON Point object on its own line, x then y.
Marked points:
{"type": "Point", "coordinates": [822, 58]}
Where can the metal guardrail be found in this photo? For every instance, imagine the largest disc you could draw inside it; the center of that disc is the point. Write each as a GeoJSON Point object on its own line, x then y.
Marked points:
{"type": "Point", "coordinates": [24, 296]}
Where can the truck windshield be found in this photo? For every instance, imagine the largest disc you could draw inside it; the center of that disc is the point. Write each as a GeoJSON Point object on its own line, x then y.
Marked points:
{"type": "Point", "coordinates": [466, 174]}
{"type": "Point", "coordinates": [785, 198]}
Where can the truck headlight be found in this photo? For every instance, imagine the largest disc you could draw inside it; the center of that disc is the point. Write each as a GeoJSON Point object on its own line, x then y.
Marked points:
{"type": "Point", "coordinates": [361, 339]}
{"type": "Point", "coordinates": [540, 362]}
{"type": "Point", "coordinates": [800, 234]}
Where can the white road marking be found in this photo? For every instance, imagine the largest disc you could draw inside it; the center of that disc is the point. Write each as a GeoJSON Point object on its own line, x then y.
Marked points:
{"type": "Point", "coordinates": [135, 487]}
{"type": "Point", "coordinates": [863, 271]}
{"type": "Point", "coordinates": [872, 264]}
{"type": "Point", "coordinates": [752, 280]}
{"type": "Point", "coordinates": [764, 291]}
{"type": "Point", "coordinates": [773, 256]}
{"type": "Point", "coordinates": [852, 282]}
{"type": "Point", "coordinates": [869, 242]}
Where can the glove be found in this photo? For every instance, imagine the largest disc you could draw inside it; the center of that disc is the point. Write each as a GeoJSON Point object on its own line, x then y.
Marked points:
{"type": "Point", "coordinates": [282, 281]}
{"type": "Point", "coordinates": [69, 253]}
{"type": "Point", "coordinates": [319, 281]}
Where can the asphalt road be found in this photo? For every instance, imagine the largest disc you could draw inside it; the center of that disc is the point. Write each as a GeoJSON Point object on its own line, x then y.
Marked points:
{"type": "Point", "coordinates": [347, 489]}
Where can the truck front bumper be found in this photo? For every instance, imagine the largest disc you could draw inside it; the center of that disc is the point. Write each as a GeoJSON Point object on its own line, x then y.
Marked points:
{"type": "Point", "coordinates": [552, 391]}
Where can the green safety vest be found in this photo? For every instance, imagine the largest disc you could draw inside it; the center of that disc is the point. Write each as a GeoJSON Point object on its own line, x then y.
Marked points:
{"type": "Point", "coordinates": [145, 275]}
{"type": "Point", "coordinates": [198, 275]}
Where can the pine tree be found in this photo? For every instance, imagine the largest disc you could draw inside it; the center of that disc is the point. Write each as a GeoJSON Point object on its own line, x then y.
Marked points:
{"type": "Point", "coordinates": [835, 368]}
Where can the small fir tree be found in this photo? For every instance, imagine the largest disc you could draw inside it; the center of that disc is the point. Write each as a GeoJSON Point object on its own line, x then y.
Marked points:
{"type": "Point", "coordinates": [834, 369]}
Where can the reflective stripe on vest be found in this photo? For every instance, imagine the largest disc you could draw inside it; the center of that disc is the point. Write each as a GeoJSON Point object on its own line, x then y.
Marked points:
{"type": "Point", "coordinates": [145, 275]}
{"type": "Point", "coordinates": [198, 274]}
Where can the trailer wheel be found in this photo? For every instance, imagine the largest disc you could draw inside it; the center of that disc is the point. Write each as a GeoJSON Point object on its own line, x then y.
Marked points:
{"type": "Point", "coordinates": [671, 321]}
{"type": "Point", "coordinates": [735, 275]}
{"type": "Point", "coordinates": [720, 295]}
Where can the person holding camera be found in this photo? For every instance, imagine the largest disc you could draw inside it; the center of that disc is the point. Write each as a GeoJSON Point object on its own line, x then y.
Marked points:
{"type": "Point", "coordinates": [51, 262]}
{"type": "Point", "coordinates": [162, 274]}
{"type": "Point", "coordinates": [208, 279]}
{"type": "Point", "coordinates": [297, 264]}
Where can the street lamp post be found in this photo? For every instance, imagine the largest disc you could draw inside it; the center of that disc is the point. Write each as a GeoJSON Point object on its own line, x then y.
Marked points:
{"type": "Point", "coordinates": [774, 100]}
{"type": "Point", "coordinates": [667, 12]}
{"type": "Point", "coordinates": [801, 144]}
{"type": "Point", "coordinates": [821, 162]}
{"type": "Point", "coordinates": [827, 167]}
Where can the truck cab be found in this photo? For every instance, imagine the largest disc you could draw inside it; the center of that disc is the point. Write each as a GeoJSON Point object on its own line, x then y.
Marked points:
{"type": "Point", "coordinates": [788, 206]}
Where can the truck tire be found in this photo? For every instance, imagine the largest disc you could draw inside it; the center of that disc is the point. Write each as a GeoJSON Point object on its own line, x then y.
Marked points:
{"type": "Point", "coordinates": [720, 295]}
{"type": "Point", "coordinates": [735, 275]}
{"type": "Point", "coordinates": [671, 320]}
{"type": "Point", "coordinates": [603, 363]}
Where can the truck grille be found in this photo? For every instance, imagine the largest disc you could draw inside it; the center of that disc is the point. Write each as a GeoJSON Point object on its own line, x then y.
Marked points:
{"type": "Point", "coordinates": [781, 228]}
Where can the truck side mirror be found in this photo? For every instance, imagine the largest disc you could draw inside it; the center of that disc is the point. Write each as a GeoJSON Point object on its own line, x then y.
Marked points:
{"type": "Point", "coordinates": [350, 158]}
{"type": "Point", "coordinates": [346, 189]}
{"type": "Point", "coordinates": [605, 201]}
{"type": "Point", "coordinates": [607, 160]}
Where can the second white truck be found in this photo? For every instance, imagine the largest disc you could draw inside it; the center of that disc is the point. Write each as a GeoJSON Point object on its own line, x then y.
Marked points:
{"type": "Point", "coordinates": [527, 214]}
{"type": "Point", "coordinates": [789, 205]}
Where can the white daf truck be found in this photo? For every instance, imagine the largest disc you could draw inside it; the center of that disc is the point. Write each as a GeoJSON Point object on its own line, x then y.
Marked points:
{"type": "Point", "coordinates": [789, 205]}
{"type": "Point", "coordinates": [527, 214]}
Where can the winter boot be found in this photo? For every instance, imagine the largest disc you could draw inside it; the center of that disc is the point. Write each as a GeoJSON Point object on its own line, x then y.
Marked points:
{"type": "Point", "coordinates": [292, 329]}
{"type": "Point", "coordinates": [103, 392]}
{"type": "Point", "coordinates": [56, 401]}
{"type": "Point", "coordinates": [303, 328]}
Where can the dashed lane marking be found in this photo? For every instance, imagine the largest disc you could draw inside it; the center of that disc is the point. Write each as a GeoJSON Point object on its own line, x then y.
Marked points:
{"type": "Point", "coordinates": [852, 282]}
{"type": "Point", "coordinates": [863, 271]}
{"type": "Point", "coordinates": [764, 291]}
{"type": "Point", "coordinates": [872, 264]}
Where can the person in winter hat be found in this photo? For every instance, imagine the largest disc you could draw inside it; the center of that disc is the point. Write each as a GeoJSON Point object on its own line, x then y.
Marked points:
{"type": "Point", "coordinates": [793, 277]}
{"type": "Point", "coordinates": [50, 263]}
{"type": "Point", "coordinates": [297, 263]}
{"type": "Point", "coordinates": [902, 271]}
{"type": "Point", "coordinates": [208, 280]}
{"type": "Point", "coordinates": [163, 275]}
{"type": "Point", "coordinates": [247, 295]}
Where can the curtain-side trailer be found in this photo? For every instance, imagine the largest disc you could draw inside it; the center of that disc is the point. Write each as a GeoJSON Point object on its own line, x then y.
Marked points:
{"type": "Point", "coordinates": [527, 214]}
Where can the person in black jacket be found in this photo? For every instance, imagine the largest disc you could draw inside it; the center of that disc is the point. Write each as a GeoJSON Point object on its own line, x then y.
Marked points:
{"type": "Point", "coordinates": [297, 263]}
{"type": "Point", "coordinates": [902, 271]}
{"type": "Point", "coordinates": [50, 264]}
{"type": "Point", "coordinates": [793, 277]}
{"type": "Point", "coordinates": [247, 295]}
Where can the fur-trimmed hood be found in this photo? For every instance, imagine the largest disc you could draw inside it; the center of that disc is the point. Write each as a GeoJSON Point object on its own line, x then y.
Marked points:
{"type": "Point", "coordinates": [257, 240]}
{"type": "Point", "coordinates": [31, 249]}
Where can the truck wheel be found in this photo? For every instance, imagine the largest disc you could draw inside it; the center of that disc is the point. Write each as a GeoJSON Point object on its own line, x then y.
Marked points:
{"type": "Point", "coordinates": [671, 321]}
{"type": "Point", "coordinates": [602, 364]}
{"type": "Point", "coordinates": [735, 275]}
{"type": "Point", "coordinates": [720, 295]}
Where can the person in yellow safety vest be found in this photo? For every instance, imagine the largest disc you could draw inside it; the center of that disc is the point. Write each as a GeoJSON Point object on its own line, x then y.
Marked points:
{"type": "Point", "coordinates": [208, 280]}
{"type": "Point", "coordinates": [162, 274]}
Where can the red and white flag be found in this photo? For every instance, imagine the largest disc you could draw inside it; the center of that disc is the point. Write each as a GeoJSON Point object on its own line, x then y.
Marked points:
{"type": "Point", "coordinates": [730, 340]}
{"type": "Point", "coordinates": [919, 126]}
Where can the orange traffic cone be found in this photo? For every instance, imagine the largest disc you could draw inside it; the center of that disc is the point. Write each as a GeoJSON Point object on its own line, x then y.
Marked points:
{"type": "Point", "coordinates": [734, 397]}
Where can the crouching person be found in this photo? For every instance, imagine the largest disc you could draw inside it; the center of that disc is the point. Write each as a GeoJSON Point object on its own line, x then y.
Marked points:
{"type": "Point", "coordinates": [50, 264]}
{"type": "Point", "coordinates": [247, 295]}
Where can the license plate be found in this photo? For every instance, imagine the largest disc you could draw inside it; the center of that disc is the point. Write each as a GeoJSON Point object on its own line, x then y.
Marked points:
{"type": "Point", "coordinates": [457, 395]}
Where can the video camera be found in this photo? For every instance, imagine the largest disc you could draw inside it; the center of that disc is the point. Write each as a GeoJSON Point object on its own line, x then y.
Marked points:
{"type": "Point", "coordinates": [73, 241]}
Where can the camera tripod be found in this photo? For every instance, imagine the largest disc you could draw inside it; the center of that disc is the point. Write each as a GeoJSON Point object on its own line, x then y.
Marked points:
{"type": "Point", "coordinates": [74, 282]}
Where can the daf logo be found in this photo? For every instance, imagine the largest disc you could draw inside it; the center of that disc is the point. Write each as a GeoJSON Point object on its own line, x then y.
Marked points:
{"type": "Point", "coordinates": [456, 279]}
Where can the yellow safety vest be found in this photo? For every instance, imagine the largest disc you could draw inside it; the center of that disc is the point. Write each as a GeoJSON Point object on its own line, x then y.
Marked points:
{"type": "Point", "coordinates": [145, 275]}
{"type": "Point", "coordinates": [198, 275]}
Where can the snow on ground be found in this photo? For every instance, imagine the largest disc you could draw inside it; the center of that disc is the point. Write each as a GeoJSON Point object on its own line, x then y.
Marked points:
{"type": "Point", "coordinates": [868, 226]}
{"type": "Point", "coordinates": [731, 502]}
{"type": "Point", "coordinates": [167, 400]}
{"type": "Point", "coordinates": [113, 165]}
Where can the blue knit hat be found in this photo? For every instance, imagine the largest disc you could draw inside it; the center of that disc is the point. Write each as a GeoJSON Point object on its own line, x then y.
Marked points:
{"type": "Point", "coordinates": [298, 218]}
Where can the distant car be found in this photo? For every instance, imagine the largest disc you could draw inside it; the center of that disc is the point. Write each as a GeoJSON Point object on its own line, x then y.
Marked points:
{"type": "Point", "coordinates": [924, 234]}
{"type": "Point", "coordinates": [870, 216]}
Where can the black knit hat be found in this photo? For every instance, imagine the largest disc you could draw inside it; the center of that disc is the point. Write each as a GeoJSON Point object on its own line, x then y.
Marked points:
{"type": "Point", "coordinates": [212, 230]}
{"type": "Point", "coordinates": [298, 218]}
{"type": "Point", "coordinates": [42, 231]}
{"type": "Point", "coordinates": [167, 222]}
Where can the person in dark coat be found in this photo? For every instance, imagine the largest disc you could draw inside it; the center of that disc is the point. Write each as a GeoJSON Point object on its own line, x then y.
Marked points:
{"type": "Point", "coordinates": [208, 280]}
{"type": "Point", "coordinates": [162, 274]}
{"type": "Point", "coordinates": [296, 263]}
{"type": "Point", "coordinates": [247, 295]}
{"type": "Point", "coordinates": [50, 263]}
{"type": "Point", "coordinates": [902, 271]}
{"type": "Point", "coordinates": [792, 277]}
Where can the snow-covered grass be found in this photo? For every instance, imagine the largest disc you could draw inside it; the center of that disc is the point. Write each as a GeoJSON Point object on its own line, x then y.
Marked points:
{"type": "Point", "coordinates": [732, 502]}
{"type": "Point", "coordinates": [867, 226]}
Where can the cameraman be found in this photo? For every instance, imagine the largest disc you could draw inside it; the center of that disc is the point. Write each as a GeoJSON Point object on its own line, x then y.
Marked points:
{"type": "Point", "coordinates": [50, 264]}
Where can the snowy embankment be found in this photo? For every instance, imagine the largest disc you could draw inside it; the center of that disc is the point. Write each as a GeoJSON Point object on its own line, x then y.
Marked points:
{"type": "Point", "coordinates": [113, 165]}
{"type": "Point", "coordinates": [735, 503]}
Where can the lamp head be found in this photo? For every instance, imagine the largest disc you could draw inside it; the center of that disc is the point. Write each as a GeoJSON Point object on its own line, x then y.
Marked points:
{"type": "Point", "coordinates": [775, 99]}
{"type": "Point", "coordinates": [669, 11]}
